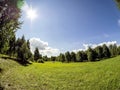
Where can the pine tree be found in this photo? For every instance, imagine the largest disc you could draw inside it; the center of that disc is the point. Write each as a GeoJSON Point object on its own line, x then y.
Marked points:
{"type": "Point", "coordinates": [12, 45]}
{"type": "Point", "coordinates": [36, 54]}
{"type": "Point", "coordinates": [106, 52]}
{"type": "Point", "coordinates": [22, 50]}
{"type": "Point", "coordinates": [67, 56]}
{"type": "Point", "coordinates": [91, 54]}
{"type": "Point", "coordinates": [99, 52]}
{"type": "Point", "coordinates": [73, 56]}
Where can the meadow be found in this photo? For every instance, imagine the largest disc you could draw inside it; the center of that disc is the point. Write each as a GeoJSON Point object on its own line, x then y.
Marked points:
{"type": "Point", "coordinates": [100, 75]}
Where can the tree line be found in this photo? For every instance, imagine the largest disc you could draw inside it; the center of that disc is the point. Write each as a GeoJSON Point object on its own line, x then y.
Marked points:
{"type": "Point", "coordinates": [91, 54]}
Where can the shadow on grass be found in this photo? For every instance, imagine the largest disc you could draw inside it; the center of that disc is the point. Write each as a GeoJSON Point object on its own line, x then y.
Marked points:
{"type": "Point", "coordinates": [23, 63]}
{"type": "Point", "coordinates": [1, 87]}
{"type": "Point", "coordinates": [1, 70]}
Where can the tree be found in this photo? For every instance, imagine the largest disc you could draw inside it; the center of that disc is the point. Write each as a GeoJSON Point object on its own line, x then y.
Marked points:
{"type": "Point", "coordinates": [36, 54]}
{"type": "Point", "coordinates": [28, 44]}
{"type": "Point", "coordinates": [73, 56]}
{"type": "Point", "coordinates": [62, 57]}
{"type": "Point", "coordinates": [53, 58]}
{"type": "Point", "coordinates": [113, 50]}
{"type": "Point", "coordinates": [79, 56]}
{"type": "Point", "coordinates": [118, 49]}
{"type": "Point", "coordinates": [45, 58]}
{"type": "Point", "coordinates": [9, 21]}
{"type": "Point", "coordinates": [99, 52]}
{"type": "Point", "coordinates": [19, 43]}
{"type": "Point", "coordinates": [67, 56]}
{"type": "Point", "coordinates": [91, 54]}
{"type": "Point", "coordinates": [118, 3]}
{"type": "Point", "coordinates": [23, 54]}
{"type": "Point", "coordinates": [84, 55]}
{"type": "Point", "coordinates": [12, 45]}
{"type": "Point", "coordinates": [22, 50]}
{"type": "Point", "coordinates": [106, 52]}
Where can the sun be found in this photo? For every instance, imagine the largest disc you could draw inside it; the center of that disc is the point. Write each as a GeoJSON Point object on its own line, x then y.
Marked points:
{"type": "Point", "coordinates": [31, 13]}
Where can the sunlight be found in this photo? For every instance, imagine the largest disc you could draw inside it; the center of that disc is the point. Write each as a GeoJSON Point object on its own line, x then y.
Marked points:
{"type": "Point", "coordinates": [31, 13]}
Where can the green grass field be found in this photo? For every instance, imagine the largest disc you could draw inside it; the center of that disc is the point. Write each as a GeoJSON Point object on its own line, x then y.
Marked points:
{"type": "Point", "coordinates": [101, 75]}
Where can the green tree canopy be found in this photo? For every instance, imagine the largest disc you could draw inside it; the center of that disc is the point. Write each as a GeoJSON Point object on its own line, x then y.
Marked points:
{"type": "Point", "coordinates": [62, 57]}
{"type": "Point", "coordinates": [73, 56]}
{"type": "Point", "coordinates": [91, 54]}
{"type": "Point", "coordinates": [106, 51]}
{"type": "Point", "coordinates": [67, 56]}
{"type": "Point", "coordinates": [118, 3]}
{"type": "Point", "coordinates": [10, 13]}
{"type": "Point", "coordinates": [36, 54]}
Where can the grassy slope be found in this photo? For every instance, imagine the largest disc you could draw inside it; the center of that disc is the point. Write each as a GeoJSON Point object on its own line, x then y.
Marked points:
{"type": "Point", "coordinates": [102, 75]}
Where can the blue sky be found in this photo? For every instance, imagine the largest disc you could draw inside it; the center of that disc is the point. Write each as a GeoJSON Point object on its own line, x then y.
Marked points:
{"type": "Point", "coordinates": [68, 24]}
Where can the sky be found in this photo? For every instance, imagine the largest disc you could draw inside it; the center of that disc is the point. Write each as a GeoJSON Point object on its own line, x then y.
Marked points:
{"type": "Point", "coordinates": [67, 25]}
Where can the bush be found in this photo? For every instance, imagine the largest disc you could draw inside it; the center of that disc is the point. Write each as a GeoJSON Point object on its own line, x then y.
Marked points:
{"type": "Point", "coordinates": [40, 61]}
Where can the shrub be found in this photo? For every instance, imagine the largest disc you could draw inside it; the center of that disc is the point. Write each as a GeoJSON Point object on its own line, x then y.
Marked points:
{"type": "Point", "coordinates": [40, 61]}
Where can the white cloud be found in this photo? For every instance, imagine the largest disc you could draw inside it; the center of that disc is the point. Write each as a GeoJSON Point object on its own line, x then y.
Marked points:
{"type": "Point", "coordinates": [86, 46]}
{"type": "Point", "coordinates": [100, 44]}
{"type": "Point", "coordinates": [43, 47]}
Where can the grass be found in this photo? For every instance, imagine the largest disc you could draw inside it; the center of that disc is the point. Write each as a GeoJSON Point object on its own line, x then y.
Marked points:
{"type": "Point", "coordinates": [101, 75]}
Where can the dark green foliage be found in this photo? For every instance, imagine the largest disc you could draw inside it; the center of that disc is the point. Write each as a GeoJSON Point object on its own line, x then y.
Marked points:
{"type": "Point", "coordinates": [45, 58]}
{"type": "Point", "coordinates": [73, 56]}
{"type": "Point", "coordinates": [99, 52]}
{"type": "Point", "coordinates": [10, 12]}
{"type": "Point", "coordinates": [9, 22]}
{"type": "Point", "coordinates": [28, 44]}
{"type": "Point", "coordinates": [106, 52]}
{"type": "Point", "coordinates": [22, 51]}
{"type": "Point", "coordinates": [31, 58]}
{"type": "Point", "coordinates": [113, 50]}
{"type": "Point", "coordinates": [91, 55]}
{"type": "Point", "coordinates": [53, 58]}
{"type": "Point", "coordinates": [118, 50]}
{"type": "Point", "coordinates": [12, 45]}
{"type": "Point", "coordinates": [84, 55]}
{"type": "Point", "coordinates": [96, 54]}
{"type": "Point", "coordinates": [62, 57]}
{"type": "Point", "coordinates": [118, 3]}
{"type": "Point", "coordinates": [79, 56]}
{"type": "Point", "coordinates": [67, 57]}
{"type": "Point", "coordinates": [40, 61]}
{"type": "Point", "coordinates": [19, 43]}
{"type": "Point", "coordinates": [23, 54]}
{"type": "Point", "coordinates": [37, 55]}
